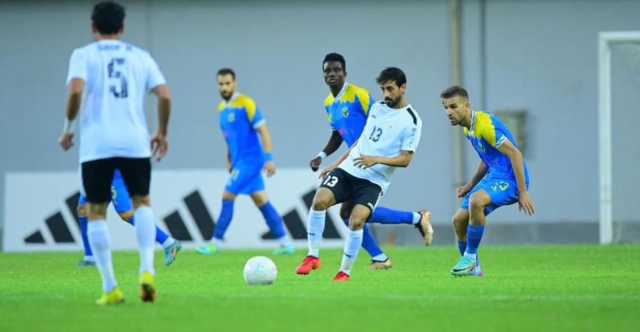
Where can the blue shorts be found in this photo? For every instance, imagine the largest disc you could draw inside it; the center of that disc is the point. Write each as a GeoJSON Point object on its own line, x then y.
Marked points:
{"type": "Point", "coordinates": [119, 195]}
{"type": "Point", "coordinates": [502, 192]}
{"type": "Point", "coordinates": [245, 179]}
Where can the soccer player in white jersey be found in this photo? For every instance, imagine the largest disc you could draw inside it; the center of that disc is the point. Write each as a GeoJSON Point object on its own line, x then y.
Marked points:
{"type": "Point", "coordinates": [389, 140]}
{"type": "Point", "coordinates": [115, 77]}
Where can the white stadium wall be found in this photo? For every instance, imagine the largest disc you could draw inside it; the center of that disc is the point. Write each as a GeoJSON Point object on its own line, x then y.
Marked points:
{"type": "Point", "coordinates": [185, 203]}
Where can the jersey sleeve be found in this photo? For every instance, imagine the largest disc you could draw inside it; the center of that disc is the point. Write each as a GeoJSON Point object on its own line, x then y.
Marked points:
{"type": "Point", "coordinates": [491, 133]}
{"type": "Point", "coordinates": [256, 119]}
{"type": "Point", "coordinates": [154, 75]}
{"type": "Point", "coordinates": [365, 99]}
{"type": "Point", "coordinates": [411, 136]}
{"type": "Point", "coordinates": [77, 66]}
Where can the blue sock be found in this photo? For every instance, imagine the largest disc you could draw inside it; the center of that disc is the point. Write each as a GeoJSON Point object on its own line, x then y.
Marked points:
{"type": "Point", "coordinates": [273, 219]}
{"type": "Point", "coordinates": [85, 237]}
{"type": "Point", "coordinates": [224, 220]}
{"type": "Point", "coordinates": [382, 215]}
{"type": "Point", "coordinates": [474, 235]}
{"type": "Point", "coordinates": [462, 246]}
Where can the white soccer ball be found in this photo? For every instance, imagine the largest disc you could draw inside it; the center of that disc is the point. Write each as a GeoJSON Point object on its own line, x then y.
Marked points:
{"type": "Point", "coordinates": [260, 270]}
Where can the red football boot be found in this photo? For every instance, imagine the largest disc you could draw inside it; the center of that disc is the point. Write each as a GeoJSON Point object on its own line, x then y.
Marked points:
{"type": "Point", "coordinates": [341, 277]}
{"type": "Point", "coordinates": [309, 263]}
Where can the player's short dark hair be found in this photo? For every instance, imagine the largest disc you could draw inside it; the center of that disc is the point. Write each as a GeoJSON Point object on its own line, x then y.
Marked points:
{"type": "Point", "coordinates": [392, 74]}
{"type": "Point", "coordinates": [227, 71]}
{"type": "Point", "coordinates": [108, 17]}
{"type": "Point", "coordinates": [334, 57]}
{"type": "Point", "coordinates": [454, 91]}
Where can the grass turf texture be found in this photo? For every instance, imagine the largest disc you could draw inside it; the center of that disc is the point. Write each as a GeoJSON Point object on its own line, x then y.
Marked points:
{"type": "Point", "coordinates": [562, 288]}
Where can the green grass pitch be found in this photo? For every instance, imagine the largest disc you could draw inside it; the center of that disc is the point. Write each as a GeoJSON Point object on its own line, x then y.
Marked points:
{"type": "Point", "coordinates": [559, 288]}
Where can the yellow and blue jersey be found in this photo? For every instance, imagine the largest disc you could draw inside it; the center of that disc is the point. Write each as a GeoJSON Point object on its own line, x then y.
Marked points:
{"type": "Point", "coordinates": [487, 134]}
{"type": "Point", "coordinates": [347, 112]}
{"type": "Point", "coordinates": [239, 119]}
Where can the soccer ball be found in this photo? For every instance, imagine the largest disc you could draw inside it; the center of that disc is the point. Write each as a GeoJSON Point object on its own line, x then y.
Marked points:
{"type": "Point", "coordinates": [260, 270]}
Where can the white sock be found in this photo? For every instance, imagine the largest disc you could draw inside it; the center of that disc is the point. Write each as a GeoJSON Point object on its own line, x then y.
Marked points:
{"type": "Point", "coordinates": [218, 243]}
{"type": "Point", "coordinates": [351, 249]}
{"type": "Point", "coordinates": [285, 241]}
{"type": "Point", "coordinates": [472, 256]}
{"type": "Point", "coordinates": [314, 231]}
{"type": "Point", "coordinates": [380, 258]}
{"type": "Point", "coordinates": [89, 258]}
{"type": "Point", "coordinates": [100, 243]}
{"type": "Point", "coordinates": [168, 242]}
{"type": "Point", "coordinates": [146, 234]}
{"type": "Point", "coordinates": [416, 218]}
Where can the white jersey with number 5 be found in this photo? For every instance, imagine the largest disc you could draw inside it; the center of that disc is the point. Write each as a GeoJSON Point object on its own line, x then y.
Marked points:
{"type": "Point", "coordinates": [117, 78]}
{"type": "Point", "coordinates": [388, 132]}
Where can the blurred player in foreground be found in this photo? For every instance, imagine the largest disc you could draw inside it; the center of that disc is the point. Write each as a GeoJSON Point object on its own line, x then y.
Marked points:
{"type": "Point", "coordinates": [116, 76]}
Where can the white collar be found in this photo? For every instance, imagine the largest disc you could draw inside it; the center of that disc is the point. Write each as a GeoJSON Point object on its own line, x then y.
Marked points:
{"type": "Point", "coordinates": [473, 120]}
{"type": "Point", "coordinates": [234, 96]}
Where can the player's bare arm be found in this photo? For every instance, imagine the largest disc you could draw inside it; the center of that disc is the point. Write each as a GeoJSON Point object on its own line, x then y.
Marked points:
{"type": "Point", "coordinates": [525, 204]}
{"type": "Point", "coordinates": [335, 165]}
{"type": "Point", "coordinates": [76, 87]}
{"type": "Point", "coordinates": [477, 177]}
{"type": "Point", "coordinates": [159, 142]}
{"type": "Point", "coordinates": [332, 146]}
{"type": "Point", "coordinates": [402, 160]}
{"type": "Point", "coordinates": [267, 147]}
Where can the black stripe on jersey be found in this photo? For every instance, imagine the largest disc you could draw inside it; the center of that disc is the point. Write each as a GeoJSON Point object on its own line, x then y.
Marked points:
{"type": "Point", "coordinates": [415, 119]}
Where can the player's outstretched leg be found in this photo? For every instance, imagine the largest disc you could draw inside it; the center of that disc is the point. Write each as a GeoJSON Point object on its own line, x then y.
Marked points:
{"type": "Point", "coordinates": [274, 222]}
{"type": "Point", "coordinates": [421, 220]}
{"type": "Point", "coordinates": [323, 200]}
{"type": "Point", "coordinates": [468, 263]}
{"type": "Point", "coordinates": [379, 260]}
{"type": "Point", "coordinates": [224, 220]}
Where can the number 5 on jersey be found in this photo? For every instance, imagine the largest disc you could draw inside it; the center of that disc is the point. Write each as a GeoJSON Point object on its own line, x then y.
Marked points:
{"type": "Point", "coordinates": [119, 89]}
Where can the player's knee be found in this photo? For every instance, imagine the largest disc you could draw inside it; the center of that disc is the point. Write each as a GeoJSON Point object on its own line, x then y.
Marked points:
{"type": "Point", "coordinates": [323, 200]}
{"type": "Point", "coordinates": [459, 219]}
{"type": "Point", "coordinates": [477, 202]}
{"type": "Point", "coordinates": [345, 211]}
{"type": "Point", "coordinates": [126, 216]}
{"type": "Point", "coordinates": [227, 196]}
{"type": "Point", "coordinates": [320, 204]}
{"type": "Point", "coordinates": [359, 216]}
{"type": "Point", "coordinates": [82, 211]}
{"type": "Point", "coordinates": [139, 201]}
{"type": "Point", "coordinates": [260, 199]}
{"type": "Point", "coordinates": [97, 211]}
{"type": "Point", "coordinates": [356, 224]}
